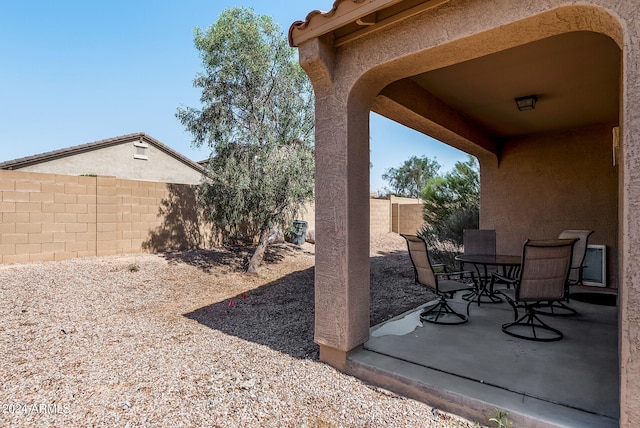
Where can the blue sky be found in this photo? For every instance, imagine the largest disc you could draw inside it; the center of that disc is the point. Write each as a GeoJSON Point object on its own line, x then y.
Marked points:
{"type": "Point", "coordinates": [77, 71]}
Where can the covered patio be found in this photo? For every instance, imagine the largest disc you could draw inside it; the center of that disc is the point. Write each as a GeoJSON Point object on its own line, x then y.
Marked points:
{"type": "Point", "coordinates": [465, 368]}
{"type": "Point", "coordinates": [452, 70]}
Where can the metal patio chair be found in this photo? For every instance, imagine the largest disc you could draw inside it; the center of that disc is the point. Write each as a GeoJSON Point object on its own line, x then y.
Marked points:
{"type": "Point", "coordinates": [444, 284]}
{"type": "Point", "coordinates": [542, 279]}
{"type": "Point", "coordinates": [561, 308]}
{"type": "Point", "coordinates": [479, 241]}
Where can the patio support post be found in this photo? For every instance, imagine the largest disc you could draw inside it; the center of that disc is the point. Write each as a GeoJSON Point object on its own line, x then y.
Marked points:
{"type": "Point", "coordinates": [342, 210]}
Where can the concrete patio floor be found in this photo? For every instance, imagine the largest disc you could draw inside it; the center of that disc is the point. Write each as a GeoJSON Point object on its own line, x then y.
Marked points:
{"type": "Point", "coordinates": [474, 368]}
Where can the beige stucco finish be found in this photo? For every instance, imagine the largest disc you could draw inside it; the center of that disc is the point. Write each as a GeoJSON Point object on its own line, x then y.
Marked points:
{"type": "Point", "coordinates": [120, 161]}
{"type": "Point", "coordinates": [532, 186]}
{"type": "Point", "coordinates": [548, 183]}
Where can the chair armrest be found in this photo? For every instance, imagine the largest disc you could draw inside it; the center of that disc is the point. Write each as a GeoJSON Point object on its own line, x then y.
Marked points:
{"type": "Point", "coordinates": [503, 278]}
{"type": "Point", "coordinates": [461, 274]}
{"type": "Point", "coordinates": [439, 268]}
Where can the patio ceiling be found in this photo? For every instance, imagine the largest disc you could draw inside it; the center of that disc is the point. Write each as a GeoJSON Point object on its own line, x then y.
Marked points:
{"type": "Point", "coordinates": [574, 75]}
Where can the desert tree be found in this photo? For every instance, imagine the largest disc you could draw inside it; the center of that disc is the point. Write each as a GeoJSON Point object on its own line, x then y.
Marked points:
{"type": "Point", "coordinates": [411, 177]}
{"type": "Point", "coordinates": [451, 204]}
{"type": "Point", "coordinates": [257, 117]}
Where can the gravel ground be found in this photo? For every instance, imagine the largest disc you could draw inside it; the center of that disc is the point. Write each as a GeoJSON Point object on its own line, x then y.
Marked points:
{"type": "Point", "coordinates": [187, 340]}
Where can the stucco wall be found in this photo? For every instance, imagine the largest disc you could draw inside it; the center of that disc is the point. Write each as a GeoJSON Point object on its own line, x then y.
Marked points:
{"type": "Point", "coordinates": [118, 161]}
{"type": "Point", "coordinates": [348, 77]}
{"type": "Point", "coordinates": [577, 165]}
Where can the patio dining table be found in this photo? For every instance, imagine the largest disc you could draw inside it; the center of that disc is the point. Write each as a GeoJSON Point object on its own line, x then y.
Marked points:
{"type": "Point", "coordinates": [508, 265]}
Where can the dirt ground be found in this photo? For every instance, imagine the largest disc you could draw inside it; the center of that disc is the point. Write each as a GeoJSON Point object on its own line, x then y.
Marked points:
{"type": "Point", "coordinates": [282, 296]}
{"type": "Point", "coordinates": [189, 339]}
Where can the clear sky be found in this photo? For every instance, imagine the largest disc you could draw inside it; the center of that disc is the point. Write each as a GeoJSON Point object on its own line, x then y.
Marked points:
{"type": "Point", "coordinates": [77, 71]}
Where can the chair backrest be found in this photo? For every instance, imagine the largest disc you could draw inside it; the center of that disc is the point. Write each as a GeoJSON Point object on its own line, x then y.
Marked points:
{"type": "Point", "coordinates": [579, 251]}
{"type": "Point", "coordinates": [479, 241]}
{"type": "Point", "coordinates": [545, 269]}
{"type": "Point", "coordinates": [420, 258]}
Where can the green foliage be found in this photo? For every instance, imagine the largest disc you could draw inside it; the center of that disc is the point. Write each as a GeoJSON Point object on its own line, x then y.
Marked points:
{"type": "Point", "coordinates": [501, 419]}
{"type": "Point", "coordinates": [443, 252]}
{"type": "Point", "coordinates": [254, 188]}
{"type": "Point", "coordinates": [257, 118]}
{"type": "Point", "coordinates": [133, 268]}
{"type": "Point", "coordinates": [452, 202]}
{"type": "Point", "coordinates": [411, 177]}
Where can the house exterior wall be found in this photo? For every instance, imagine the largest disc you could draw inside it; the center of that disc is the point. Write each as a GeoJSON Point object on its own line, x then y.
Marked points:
{"type": "Point", "coordinates": [347, 80]}
{"type": "Point", "coordinates": [546, 184]}
{"type": "Point", "coordinates": [118, 161]}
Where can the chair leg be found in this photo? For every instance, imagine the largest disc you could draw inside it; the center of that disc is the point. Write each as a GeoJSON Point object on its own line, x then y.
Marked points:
{"type": "Point", "coordinates": [556, 309]}
{"type": "Point", "coordinates": [514, 306]}
{"type": "Point", "coordinates": [537, 327]}
{"type": "Point", "coordinates": [442, 313]}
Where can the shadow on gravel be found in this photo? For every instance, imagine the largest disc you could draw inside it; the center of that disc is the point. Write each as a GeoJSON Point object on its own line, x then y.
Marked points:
{"type": "Point", "coordinates": [235, 258]}
{"type": "Point", "coordinates": [281, 314]}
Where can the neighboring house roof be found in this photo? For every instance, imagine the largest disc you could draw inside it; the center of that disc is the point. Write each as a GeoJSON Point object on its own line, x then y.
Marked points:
{"type": "Point", "coordinates": [83, 148]}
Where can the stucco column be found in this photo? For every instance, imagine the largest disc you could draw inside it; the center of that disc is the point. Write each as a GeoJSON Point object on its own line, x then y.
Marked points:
{"type": "Point", "coordinates": [629, 219]}
{"type": "Point", "coordinates": [342, 212]}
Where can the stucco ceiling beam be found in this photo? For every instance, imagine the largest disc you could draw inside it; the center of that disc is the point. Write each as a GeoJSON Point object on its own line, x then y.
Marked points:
{"type": "Point", "coordinates": [411, 105]}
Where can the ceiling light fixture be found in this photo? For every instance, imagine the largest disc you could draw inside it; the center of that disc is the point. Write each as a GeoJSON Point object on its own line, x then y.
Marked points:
{"type": "Point", "coordinates": [527, 102]}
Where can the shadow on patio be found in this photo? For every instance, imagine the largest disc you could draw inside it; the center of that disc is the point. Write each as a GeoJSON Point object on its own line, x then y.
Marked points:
{"type": "Point", "coordinates": [474, 368]}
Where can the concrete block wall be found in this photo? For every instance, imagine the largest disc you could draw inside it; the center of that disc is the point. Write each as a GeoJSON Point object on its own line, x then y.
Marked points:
{"type": "Point", "coordinates": [380, 220]}
{"type": "Point", "coordinates": [409, 218]}
{"type": "Point", "coordinates": [403, 201]}
{"type": "Point", "coordinates": [137, 205]}
{"type": "Point", "coordinates": [384, 215]}
{"type": "Point", "coordinates": [45, 217]}
{"type": "Point", "coordinates": [48, 217]}
{"type": "Point", "coordinates": [308, 214]}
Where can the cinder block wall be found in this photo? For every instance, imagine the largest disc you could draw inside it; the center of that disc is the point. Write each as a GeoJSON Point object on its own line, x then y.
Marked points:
{"type": "Point", "coordinates": [308, 214]}
{"type": "Point", "coordinates": [402, 216]}
{"type": "Point", "coordinates": [380, 221]}
{"type": "Point", "coordinates": [410, 218]}
{"type": "Point", "coordinates": [46, 216]}
{"type": "Point", "coordinates": [129, 213]}
{"type": "Point", "coordinates": [53, 217]}
{"type": "Point", "coordinates": [380, 211]}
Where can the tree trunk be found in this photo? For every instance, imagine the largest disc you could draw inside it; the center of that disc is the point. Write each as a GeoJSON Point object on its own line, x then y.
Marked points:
{"type": "Point", "coordinates": [258, 255]}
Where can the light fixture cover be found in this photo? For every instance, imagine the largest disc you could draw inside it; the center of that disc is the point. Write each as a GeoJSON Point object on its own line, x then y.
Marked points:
{"type": "Point", "coordinates": [527, 102]}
